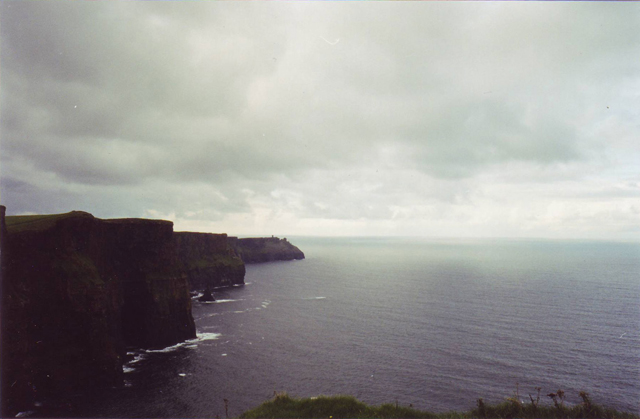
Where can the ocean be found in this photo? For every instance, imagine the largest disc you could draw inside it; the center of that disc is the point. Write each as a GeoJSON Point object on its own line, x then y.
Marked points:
{"type": "Point", "coordinates": [432, 323]}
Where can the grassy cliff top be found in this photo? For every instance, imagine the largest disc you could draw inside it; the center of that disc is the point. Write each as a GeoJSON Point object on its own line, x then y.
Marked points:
{"type": "Point", "coordinates": [19, 223]}
{"type": "Point", "coordinates": [283, 406]}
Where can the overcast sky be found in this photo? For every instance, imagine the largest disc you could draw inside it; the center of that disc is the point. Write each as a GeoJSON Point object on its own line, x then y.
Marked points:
{"type": "Point", "coordinates": [438, 119]}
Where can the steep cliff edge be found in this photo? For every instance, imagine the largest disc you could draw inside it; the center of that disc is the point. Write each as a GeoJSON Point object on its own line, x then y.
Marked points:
{"type": "Point", "coordinates": [76, 290]}
{"type": "Point", "coordinates": [265, 249]}
{"type": "Point", "coordinates": [208, 260]}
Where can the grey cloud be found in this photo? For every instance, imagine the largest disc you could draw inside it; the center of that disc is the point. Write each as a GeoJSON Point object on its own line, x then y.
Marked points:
{"type": "Point", "coordinates": [108, 101]}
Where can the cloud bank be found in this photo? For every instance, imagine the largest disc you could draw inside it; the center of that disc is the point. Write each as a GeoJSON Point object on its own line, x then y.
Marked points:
{"type": "Point", "coordinates": [355, 118]}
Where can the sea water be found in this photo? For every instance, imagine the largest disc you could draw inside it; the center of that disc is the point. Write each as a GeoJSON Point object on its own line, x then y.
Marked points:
{"type": "Point", "coordinates": [435, 324]}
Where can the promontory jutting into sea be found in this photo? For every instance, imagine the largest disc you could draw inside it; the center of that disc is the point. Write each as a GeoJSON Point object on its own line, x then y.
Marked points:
{"type": "Point", "coordinates": [108, 318]}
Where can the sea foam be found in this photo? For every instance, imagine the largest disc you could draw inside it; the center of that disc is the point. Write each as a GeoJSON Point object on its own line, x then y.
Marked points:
{"type": "Point", "coordinates": [187, 343]}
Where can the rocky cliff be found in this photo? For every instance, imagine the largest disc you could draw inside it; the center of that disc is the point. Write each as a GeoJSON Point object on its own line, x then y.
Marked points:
{"type": "Point", "coordinates": [76, 290]}
{"type": "Point", "coordinates": [208, 260]}
{"type": "Point", "coordinates": [265, 249]}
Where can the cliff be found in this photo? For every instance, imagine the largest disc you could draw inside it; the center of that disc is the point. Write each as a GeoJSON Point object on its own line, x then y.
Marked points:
{"type": "Point", "coordinates": [76, 290]}
{"type": "Point", "coordinates": [267, 249]}
{"type": "Point", "coordinates": [208, 260]}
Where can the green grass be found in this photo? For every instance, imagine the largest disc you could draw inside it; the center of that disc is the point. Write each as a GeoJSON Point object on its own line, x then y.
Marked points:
{"type": "Point", "coordinates": [283, 406]}
{"type": "Point", "coordinates": [20, 223]}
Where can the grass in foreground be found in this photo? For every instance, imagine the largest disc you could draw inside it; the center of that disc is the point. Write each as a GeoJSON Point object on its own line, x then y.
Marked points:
{"type": "Point", "coordinates": [335, 407]}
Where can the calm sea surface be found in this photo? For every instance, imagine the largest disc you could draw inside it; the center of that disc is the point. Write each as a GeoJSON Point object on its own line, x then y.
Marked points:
{"type": "Point", "coordinates": [434, 323]}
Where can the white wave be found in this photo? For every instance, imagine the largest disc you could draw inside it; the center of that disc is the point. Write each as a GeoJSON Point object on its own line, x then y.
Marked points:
{"type": "Point", "coordinates": [226, 301]}
{"type": "Point", "coordinates": [167, 349]}
{"type": "Point", "coordinates": [205, 336]}
{"type": "Point", "coordinates": [137, 359]}
{"type": "Point", "coordinates": [182, 374]}
{"type": "Point", "coordinates": [187, 343]}
{"type": "Point", "coordinates": [266, 303]}
{"type": "Point", "coordinates": [315, 298]}
{"type": "Point", "coordinates": [224, 354]}
{"type": "Point", "coordinates": [128, 366]}
{"type": "Point", "coordinates": [25, 414]}
{"type": "Point", "coordinates": [197, 296]}
{"type": "Point", "coordinates": [128, 383]}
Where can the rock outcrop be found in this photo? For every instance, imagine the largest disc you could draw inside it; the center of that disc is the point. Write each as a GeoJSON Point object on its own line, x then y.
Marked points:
{"type": "Point", "coordinates": [206, 296]}
{"type": "Point", "coordinates": [76, 290]}
{"type": "Point", "coordinates": [208, 260]}
{"type": "Point", "coordinates": [265, 249]}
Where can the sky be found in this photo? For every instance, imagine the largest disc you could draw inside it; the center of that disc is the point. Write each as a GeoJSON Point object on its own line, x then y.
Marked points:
{"type": "Point", "coordinates": [433, 119]}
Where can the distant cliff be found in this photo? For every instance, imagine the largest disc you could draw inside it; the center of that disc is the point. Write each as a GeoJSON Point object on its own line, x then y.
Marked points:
{"type": "Point", "coordinates": [76, 290]}
{"type": "Point", "coordinates": [254, 250]}
{"type": "Point", "coordinates": [208, 260]}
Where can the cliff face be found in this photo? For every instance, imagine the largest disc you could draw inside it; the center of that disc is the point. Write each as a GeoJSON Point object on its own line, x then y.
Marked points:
{"type": "Point", "coordinates": [156, 310]}
{"type": "Point", "coordinates": [254, 250]}
{"type": "Point", "coordinates": [75, 291]}
{"type": "Point", "coordinates": [208, 260]}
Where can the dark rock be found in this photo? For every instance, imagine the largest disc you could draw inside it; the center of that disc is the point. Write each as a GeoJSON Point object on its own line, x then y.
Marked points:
{"type": "Point", "coordinates": [265, 249]}
{"type": "Point", "coordinates": [206, 296]}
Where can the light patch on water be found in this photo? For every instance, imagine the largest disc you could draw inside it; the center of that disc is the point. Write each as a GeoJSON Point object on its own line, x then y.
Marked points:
{"type": "Point", "coordinates": [208, 327]}
{"type": "Point", "coordinates": [314, 298]}
{"type": "Point", "coordinates": [126, 369]}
